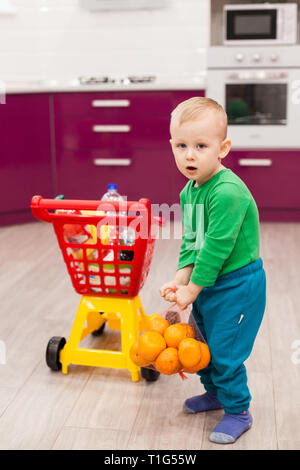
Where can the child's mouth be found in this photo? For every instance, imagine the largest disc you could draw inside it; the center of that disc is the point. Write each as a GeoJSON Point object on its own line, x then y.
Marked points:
{"type": "Point", "coordinates": [191, 169]}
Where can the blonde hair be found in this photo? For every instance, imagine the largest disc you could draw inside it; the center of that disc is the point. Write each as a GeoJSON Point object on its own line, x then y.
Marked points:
{"type": "Point", "coordinates": [192, 108]}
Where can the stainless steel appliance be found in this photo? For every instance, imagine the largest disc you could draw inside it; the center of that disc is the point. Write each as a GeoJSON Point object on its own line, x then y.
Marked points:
{"type": "Point", "coordinates": [260, 90]}
{"type": "Point", "coordinates": [267, 23]}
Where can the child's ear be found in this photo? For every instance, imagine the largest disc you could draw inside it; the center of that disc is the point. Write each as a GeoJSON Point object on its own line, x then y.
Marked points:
{"type": "Point", "coordinates": [225, 148]}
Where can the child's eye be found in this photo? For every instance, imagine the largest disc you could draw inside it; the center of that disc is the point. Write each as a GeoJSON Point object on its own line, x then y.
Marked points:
{"type": "Point", "coordinates": [201, 146]}
{"type": "Point", "coordinates": [181, 146]}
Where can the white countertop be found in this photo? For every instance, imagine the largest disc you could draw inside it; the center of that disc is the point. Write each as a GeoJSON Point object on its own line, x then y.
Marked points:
{"type": "Point", "coordinates": [52, 86]}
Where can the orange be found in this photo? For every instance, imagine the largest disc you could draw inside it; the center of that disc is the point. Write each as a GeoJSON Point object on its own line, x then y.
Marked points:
{"type": "Point", "coordinates": [150, 345]}
{"type": "Point", "coordinates": [189, 330]}
{"type": "Point", "coordinates": [204, 361]}
{"type": "Point", "coordinates": [205, 355]}
{"type": "Point", "coordinates": [136, 357]}
{"type": "Point", "coordinates": [168, 362]}
{"type": "Point", "coordinates": [189, 352]}
{"type": "Point", "coordinates": [192, 370]}
{"type": "Point", "coordinates": [174, 334]}
{"type": "Point", "coordinates": [158, 324]}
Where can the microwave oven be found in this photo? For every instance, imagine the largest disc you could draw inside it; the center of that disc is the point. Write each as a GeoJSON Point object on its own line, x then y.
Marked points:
{"type": "Point", "coordinates": [254, 24]}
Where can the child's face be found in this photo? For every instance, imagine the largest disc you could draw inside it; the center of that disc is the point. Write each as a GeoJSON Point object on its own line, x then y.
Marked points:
{"type": "Point", "coordinates": [199, 147]}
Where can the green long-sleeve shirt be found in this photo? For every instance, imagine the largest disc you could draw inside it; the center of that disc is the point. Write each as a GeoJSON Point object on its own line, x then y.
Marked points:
{"type": "Point", "coordinates": [221, 227]}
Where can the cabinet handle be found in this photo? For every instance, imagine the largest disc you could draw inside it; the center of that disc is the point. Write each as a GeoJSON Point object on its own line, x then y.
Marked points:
{"type": "Point", "coordinates": [112, 161]}
{"type": "Point", "coordinates": [110, 103]}
{"type": "Point", "coordinates": [111, 128]}
{"type": "Point", "coordinates": [255, 162]}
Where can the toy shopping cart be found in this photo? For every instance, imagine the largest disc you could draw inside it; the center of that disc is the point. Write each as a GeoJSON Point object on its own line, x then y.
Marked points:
{"type": "Point", "coordinates": [107, 248]}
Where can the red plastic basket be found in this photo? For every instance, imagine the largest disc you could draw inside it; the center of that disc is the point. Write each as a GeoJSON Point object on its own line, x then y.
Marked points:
{"type": "Point", "coordinates": [99, 265]}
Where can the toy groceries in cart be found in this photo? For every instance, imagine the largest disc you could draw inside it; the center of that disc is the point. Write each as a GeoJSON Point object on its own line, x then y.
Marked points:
{"type": "Point", "coordinates": [107, 247]}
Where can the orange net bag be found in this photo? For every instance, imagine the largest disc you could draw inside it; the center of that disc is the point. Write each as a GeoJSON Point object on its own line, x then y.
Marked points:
{"type": "Point", "coordinates": [171, 343]}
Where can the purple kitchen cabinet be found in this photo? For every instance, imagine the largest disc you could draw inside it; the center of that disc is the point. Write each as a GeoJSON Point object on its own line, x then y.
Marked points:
{"type": "Point", "coordinates": [122, 103]}
{"type": "Point", "coordinates": [116, 119]}
{"type": "Point", "coordinates": [140, 173]}
{"type": "Point", "coordinates": [271, 176]}
{"type": "Point", "coordinates": [26, 167]}
{"type": "Point", "coordinates": [113, 133]}
{"type": "Point", "coordinates": [136, 143]}
{"type": "Point", "coordinates": [113, 104]}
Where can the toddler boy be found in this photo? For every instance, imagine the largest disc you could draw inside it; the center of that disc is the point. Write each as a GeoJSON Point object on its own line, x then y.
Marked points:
{"type": "Point", "coordinates": [219, 270]}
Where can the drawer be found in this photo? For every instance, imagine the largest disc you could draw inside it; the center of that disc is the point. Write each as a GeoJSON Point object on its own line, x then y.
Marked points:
{"type": "Point", "coordinates": [85, 174]}
{"type": "Point", "coordinates": [271, 176]}
{"type": "Point", "coordinates": [111, 104]}
{"type": "Point", "coordinates": [127, 133]}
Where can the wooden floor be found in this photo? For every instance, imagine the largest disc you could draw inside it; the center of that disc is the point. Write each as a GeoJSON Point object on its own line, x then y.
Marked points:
{"type": "Point", "coordinates": [99, 408]}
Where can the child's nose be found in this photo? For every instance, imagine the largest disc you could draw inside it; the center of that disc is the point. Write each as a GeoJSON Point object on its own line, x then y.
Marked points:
{"type": "Point", "coordinates": [190, 154]}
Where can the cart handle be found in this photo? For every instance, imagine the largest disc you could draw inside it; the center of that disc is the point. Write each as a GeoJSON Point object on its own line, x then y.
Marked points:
{"type": "Point", "coordinates": [40, 207]}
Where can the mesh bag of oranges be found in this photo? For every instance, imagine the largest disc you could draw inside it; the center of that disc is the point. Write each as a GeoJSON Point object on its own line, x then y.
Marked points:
{"type": "Point", "coordinates": [172, 343]}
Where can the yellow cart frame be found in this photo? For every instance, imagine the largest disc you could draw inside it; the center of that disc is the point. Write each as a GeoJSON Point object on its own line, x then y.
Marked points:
{"type": "Point", "coordinates": [124, 314]}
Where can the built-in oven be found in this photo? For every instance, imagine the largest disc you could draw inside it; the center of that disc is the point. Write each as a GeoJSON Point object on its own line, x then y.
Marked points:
{"type": "Point", "coordinates": [266, 23]}
{"type": "Point", "coordinates": [261, 97]}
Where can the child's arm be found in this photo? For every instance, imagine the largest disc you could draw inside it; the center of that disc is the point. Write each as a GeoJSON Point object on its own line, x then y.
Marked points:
{"type": "Point", "coordinates": [186, 295]}
{"type": "Point", "coordinates": [181, 278]}
{"type": "Point", "coordinates": [183, 295]}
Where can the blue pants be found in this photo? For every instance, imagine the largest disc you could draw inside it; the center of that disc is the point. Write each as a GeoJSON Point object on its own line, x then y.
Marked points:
{"type": "Point", "coordinates": [229, 315]}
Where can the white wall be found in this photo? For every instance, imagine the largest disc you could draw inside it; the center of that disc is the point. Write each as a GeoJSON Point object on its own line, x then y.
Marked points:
{"type": "Point", "coordinates": [58, 39]}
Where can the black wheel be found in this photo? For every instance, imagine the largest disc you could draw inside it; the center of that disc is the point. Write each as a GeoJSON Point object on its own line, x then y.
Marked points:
{"type": "Point", "coordinates": [150, 375]}
{"type": "Point", "coordinates": [54, 347]}
{"type": "Point", "coordinates": [99, 331]}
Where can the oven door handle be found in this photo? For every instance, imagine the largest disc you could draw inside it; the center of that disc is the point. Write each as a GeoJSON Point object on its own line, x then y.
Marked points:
{"type": "Point", "coordinates": [255, 162]}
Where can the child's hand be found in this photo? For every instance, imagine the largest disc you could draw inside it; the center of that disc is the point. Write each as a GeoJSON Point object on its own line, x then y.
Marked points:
{"type": "Point", "coordinates": [184, 296]}
{"type": "Point", "coordinates": [168, 288]}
